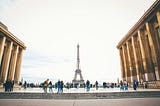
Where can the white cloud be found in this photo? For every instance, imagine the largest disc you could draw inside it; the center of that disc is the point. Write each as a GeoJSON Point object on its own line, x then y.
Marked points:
{"type": "Point", "coordinates": [51, 30]}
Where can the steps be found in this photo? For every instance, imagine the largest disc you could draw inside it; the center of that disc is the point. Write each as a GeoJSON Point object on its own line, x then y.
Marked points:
{"type": "Point", "coordinates": [105, 95]}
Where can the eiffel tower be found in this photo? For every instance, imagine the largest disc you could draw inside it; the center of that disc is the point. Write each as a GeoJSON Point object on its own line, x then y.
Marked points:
{"type": "Point", "coordinates": [76, 81]}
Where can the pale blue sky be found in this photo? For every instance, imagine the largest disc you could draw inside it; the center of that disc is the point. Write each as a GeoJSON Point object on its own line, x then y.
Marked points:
{"type": "Point", "coordinates": [51, 30]}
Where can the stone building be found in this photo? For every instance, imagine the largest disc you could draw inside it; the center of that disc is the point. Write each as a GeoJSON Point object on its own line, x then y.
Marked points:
{"type": "Point", "coordinates": [11, 50]}
{"type": "Point", "coordinates": [140, 48]}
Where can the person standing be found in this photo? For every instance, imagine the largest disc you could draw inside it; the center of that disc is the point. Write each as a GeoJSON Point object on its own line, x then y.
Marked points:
{"type": "Point", "coordinates": [96, 84]}
{"type": "Point", "coordinates": [59, 86]}
{"type": "Point", "coordinates": [145, 85]}
{"type": "Point", "coordinates": [125, 85]}
{"type": "Point", "coordinates": [50, 87]}
{"type": "Point", "coordinates": [88, 85]}
{"type": "Point", "coordinates": [12, 85]}
{"type": "Point", "coordinates": [46, 85]}
{"type": "Point", "coordinates": [134, 85]}
{"type": "Point", "coordinates": [62, 84]}
{"type": "Point", "coordinates": [6, 86]}
{"type": "Point", "coordinates": [25, 85]}
{"type": "Point", "coordinates": [121, 85]}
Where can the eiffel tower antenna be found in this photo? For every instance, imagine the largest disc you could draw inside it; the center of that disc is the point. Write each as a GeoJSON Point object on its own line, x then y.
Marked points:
{"type": "Point", "coordinates": [78, 59]}
{"type": "Point", "coordinates": [75, 81]}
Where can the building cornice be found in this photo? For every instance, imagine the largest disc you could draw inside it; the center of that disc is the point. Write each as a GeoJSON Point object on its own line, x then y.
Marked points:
{"type": "Point", "coordinates": [147, 14]}
{"type": "Point", "coordinates": [12, 37]}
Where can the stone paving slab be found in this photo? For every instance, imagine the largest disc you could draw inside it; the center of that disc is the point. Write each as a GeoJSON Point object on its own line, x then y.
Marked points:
{"type": "Point", "coordinates": [80, 90]}
{"type": "Point", "coordinates": [111, 93]}
{"type": "Point", "coordinates": [100, 95]}
{"type": "Point", "coordinates": [86, 102]}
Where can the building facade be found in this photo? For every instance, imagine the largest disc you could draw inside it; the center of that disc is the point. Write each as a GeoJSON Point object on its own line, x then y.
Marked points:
{"type": "Point", "coordinates": [140, 48]}
{"type": "Point", "coordinates": [11, 50]}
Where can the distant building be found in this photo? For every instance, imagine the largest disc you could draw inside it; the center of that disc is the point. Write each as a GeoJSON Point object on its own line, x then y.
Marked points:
{"type": "Point", "coordinates": [140, 49]}
{"type": "Point", "coordinates": [11, 49]}
{"type": "Point", "coordinates": [76, 81]}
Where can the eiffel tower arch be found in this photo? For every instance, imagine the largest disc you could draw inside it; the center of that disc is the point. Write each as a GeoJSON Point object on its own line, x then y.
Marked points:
{"type": "Point", "coordinates": [76, 81]}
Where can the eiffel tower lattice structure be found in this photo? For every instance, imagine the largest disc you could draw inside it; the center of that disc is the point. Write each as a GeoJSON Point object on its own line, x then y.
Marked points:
{"type": "Point", "coordinates": [76, 81]}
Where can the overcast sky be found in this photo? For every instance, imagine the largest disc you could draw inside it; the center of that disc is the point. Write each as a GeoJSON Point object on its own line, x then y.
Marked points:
{"type": "Point", "coordinates": [51, 30]}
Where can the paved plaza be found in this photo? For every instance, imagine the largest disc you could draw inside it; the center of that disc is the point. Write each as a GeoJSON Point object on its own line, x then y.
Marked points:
{"type": "Point", "coordinates": [79, 90]}
{"type": "Point", "coordinates": [90, 102]}
{"type": "Point", "coordinates": [129, 101]}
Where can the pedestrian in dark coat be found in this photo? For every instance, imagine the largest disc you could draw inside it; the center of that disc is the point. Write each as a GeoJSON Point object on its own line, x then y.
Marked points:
{"type": "Point", "coordinates": [134, 85]}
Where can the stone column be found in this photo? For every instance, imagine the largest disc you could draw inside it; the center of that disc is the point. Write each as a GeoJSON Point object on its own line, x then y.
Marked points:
{"type": "Point", "coordinates": [134, 74]}
{"type": "Point", "coordinates": [154, 48]}
{"type": "Point", "coordinates": [13, 63]}
{"type": "Point", "coordinates": [5, 64]}
{"type": "Point", "coordinates": [130, 60]}
{"type": "Point", "coordinates": [122, 63]}
{"type": "Point", "coordinates": [125, 57]}
{"type": "Point", "coordinates": [18, 66]}
{"type": "Point", "coordinates": [2, 44]}
{"type": "Point", "coordinates": [158, 17]}
{"type": "Point", "coordinates": [146, 56]}
{"type": "Point", "coordinates": [136, 57]}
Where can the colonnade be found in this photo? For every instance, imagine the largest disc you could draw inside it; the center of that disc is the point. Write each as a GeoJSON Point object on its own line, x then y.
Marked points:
{"type": "Point", "coordinates": [140, 51]}
{"type": "Point", "coordinates": [11, 50]}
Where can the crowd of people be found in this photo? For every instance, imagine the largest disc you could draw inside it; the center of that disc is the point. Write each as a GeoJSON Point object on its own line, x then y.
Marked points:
{"type": "Point", "coordinates": [8, 86]}
{"type": "Point", "coordinates": [48, 86]}
{"type": "Point", "coordinates": [123, 85]}
{"type": "Point", "coordinates": [59, 85]}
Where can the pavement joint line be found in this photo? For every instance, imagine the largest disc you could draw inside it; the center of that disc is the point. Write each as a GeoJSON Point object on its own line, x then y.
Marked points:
{"type": "Point", "coordinates": [106, 95]}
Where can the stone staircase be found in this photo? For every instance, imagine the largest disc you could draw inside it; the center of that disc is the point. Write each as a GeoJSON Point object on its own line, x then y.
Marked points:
{"type": "Point", "coordinates": [101, 95]}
